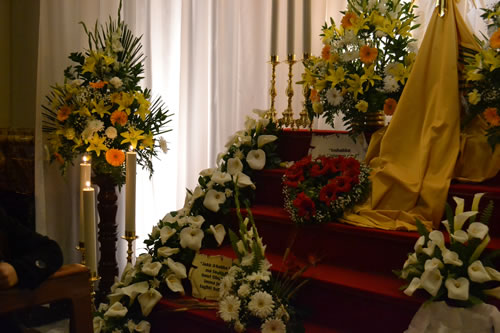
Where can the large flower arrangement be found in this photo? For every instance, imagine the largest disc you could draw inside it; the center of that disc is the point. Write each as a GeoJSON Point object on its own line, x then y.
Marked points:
{"type": "Point", "coordinates": [100, 110]}
{"type": "Point", "coordinates": [364, 64]}
{"type": "Point", "coordinates": [322, 189]}
{"type": "Point", "coordinates": [482, 72]}
{"type": "Point", "coordinates": [458, 273]}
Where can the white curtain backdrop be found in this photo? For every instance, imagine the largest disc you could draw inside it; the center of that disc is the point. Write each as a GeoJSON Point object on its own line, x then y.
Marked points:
{"type": "Point", "coordinates": [207, 59]}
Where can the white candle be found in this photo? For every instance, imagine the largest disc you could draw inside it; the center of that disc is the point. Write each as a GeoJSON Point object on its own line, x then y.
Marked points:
{"type": "Point", "coordinates": [274, 27]}
{"type": "Point", "coordinates": [130, 192]}
{"type": "Point", "coordinates": [90, 234]}
{"type": "Point", "coordinates": [306, 20]}
{"type": "Point", "coordinates": [290, 27]}
{"type": "Point", "coordinates": [84, 179]}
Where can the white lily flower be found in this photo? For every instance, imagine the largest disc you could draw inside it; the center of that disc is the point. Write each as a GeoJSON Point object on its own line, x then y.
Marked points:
{"type": "Point", "coordinates": [116, 310]}
{"type": "Point", "coordinates": [256, 159]}
{"type": "Point", "coordinates": [263, 140]}
{"type": "Point", "coordinates": [178, 268]}
{"type": "Point", "coordinates": [165, 233]}
{"type": "Point", "coordinates": [174, 283]}
{"type": "Point", "coordinates": [243, 180]}
{"type": "Point", "coordinates": [98, 323]}
{"type": "Point", "coordinates": [207, 172]}
{"type": "Point", "coordinates": [437, 237]}
{"type": "Point", "coordinates": [198, 192]}
{"type": "Point", "coordinates": [412, 259]}
{"type": "Point", "coordinates": [495, 292]}
{"type": "Point", "coordinates": [461, 218]}
{"type": "Point", "coordinates": [419, 244]}
{"type": "Point", "coordinates": [433, 263]}
{"type": "Point", "coordinates": [170, 219]}
{"type": "Point", "coordinates": [414, 285]}
{"type": "Point", "coordinates": [220, 177]}
{"type": "Point", "coordinates": [431, 281]}
{"type": "Point", "coordinates": [191, 238]}
{"type": "Point", "coordinates": [451, 258]}
{"type": "Point", "coordinates": [460, 236]}
{"type": "Point", "coordinates": [458, 289]}
{"type": "Point", "coordinates": [143, 327]}
{"type": "Point", "coordinates": [475, 201]}
{"type": "Point", "coordinates": [135, 289]}
{"type": "Point", "coordinates": [166, 251]}
{"type": "Point", "coordinates": [219, 233]}
{"type": "Point", "coordinates": [196, 221]}
{"type": "Point", "coordinates": [493, 273]}
{"type": "Point", "coordinates": [477, 230]}
{"type": "Point", "coordinates": [234, 166]}
{"type": "Point", "coordinates": [213, 199]}
{"type": "Point", "coordinates": [460, 205]}
{"type": "Point", "coordinates": [477, 272]}
{"type": "Point", "coordinates": [148, 300]}
{"type": "Point", "coordinates": [429, 250]}
{"type": "Point", "coordinates": [143, 259]}
{"type": "Point", "coordinates": [152, 268]}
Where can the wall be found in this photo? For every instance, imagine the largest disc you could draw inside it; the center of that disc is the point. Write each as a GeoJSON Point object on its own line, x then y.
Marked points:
{"type": "Point", "coordinates": [5, 63]}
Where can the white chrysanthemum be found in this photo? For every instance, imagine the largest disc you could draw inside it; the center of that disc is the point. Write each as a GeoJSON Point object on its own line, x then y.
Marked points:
{"type": "Point", "coordinates": [229, 308]}
{"type": "Point", "coordinates": [77, 82]}
{"type": "Point", "coordinates": [239, 327]}
{"type": "Point", "coordinates": [273, 326]}
{"type": "Point", "coordinates": [116, 82]}
{"type": "Point", "coordinates": [163, 145]}
{"type": "Point", "coordinates": [334, 96]}
{"type": "Point", "coordinates": [349, 56]}
{"type": "Point", "coordinates": [234, 270]}
{"type": "Point", "coordinates": [261, 304]}
{"type": "Point", "coordinates": [226, 283]}
{"type": "Point", "coordinates": [390, 84]}
{"type": "Point", "coordinates": [259, 276]}
{"type": "Point", "coordinates": [244, 290]}
{"type": "Point", "coordinates": [350, 37]}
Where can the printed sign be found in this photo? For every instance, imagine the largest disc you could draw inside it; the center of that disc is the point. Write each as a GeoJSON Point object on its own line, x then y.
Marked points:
{"type": "Point", "coordinates": [206, 273]}
{"type": "Point", "coordinates": [338, 144]}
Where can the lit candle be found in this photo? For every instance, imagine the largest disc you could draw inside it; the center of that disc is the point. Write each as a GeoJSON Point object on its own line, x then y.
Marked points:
{"type": "Point", "coordinates": [130, 192]}
{"type": "Point", "coordinates": [306, 20]}
{"type": "Point", "coordinates": [274, 27]}
{"type": "Point", "coordinates": [90, 234]}
{"type": "Point", "coordinates": [290, 26]}
{"type": "Point", "coordinates": [84, 179]}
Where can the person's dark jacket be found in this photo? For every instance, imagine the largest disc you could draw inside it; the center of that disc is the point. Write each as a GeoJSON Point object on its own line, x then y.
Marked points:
{"type": "Point", "coordinates": [34, 257]}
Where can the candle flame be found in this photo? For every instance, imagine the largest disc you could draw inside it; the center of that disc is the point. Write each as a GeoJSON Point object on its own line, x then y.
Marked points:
{"type": "Point", "coordinates": [85, 158]}
{"type": "Point", "coordinates": [131, 148]}
{"type": "Point", "coordinates": [87, 184]}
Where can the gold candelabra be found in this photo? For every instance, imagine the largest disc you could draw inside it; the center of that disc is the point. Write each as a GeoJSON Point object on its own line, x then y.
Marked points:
{"type": "Point", "coordinates": [130, 237]}
{"type": "Point", "coordinates": [287, 119]}
{"type": "Point", "coordinates": [81, 249]}
{"type": "Point", "coordinates": [94, 277]}
{"type": "Point", "coordinates": [303, 120]}
{"type": "Point", "coordinates": [271, 113]}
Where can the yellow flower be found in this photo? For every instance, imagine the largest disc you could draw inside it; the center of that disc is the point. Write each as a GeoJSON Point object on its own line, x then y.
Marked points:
{"type": "Point", "coordinates": [370, 75]}
{"type": "Point", "coordinates": [474, 97]}
{"type": "Point", "coordinates": [362, 106]}
{"type": "Point", "coordinates": [400, 72]}
{"type": "Point", "coordinates": [100, 108]}
{"type": "Point", "coordinates": [317, 108]}
{"type": "Point", "coordinates": [143, 105]}
{"type": "Point", "coordinates": [349, 20]}
{"type": "Point", "coordinates": [491, 58]}
{"type": "Point", "coordinates": [132, 136]}
{"type": "Point", "coordinates": [388, 26]}
{"type": "Point", "coordinates": [84, 112]}
{"type": "Point", "coordinates": [355, 85]}
{"type": "Point", "coordinates": [89, 65]}
{"type": "Point", "coordinates": [335, 76]}
{"type": "Point", "coordinates": [376, 19]}
{"type": "Point", "coordinates": [474, 75]}
{"type": "Point", "coordinates": [148, 141]}
{"type": "Point", "coordinates": [125, 101]}
{"type": "Point", "coordinates": [96, 144]}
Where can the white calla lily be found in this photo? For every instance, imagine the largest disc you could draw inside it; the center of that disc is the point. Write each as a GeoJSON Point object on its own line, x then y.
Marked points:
{"type": "Point", "coordinates": [169, 218]}
{"type": "Point", "coordinates": [256, 159]}
{"type": "Point", "coordinates": [246, 140]}
{"type": "Point", "coordinates": [243, 180]}
{"type": "Point", "coordinates": [458, 288]}
{"type": "Point", "coordinates": [495, 292]}
{"type": "Point", "coordinates": [174, 283]}
{"type": "Point", "coordinates": [460, 236]}
{"type": "Point", "coordinates": [152, 268]}
{"type": "Point", "coordinates": [460, 205]}
{"type": "Point", "coordinates": [213, 200]}
{"type": "Point", "coordinates": [431, 281]}
{"type": "Point", "coordinates": [148, 300]}
{"type": "Point", "coordinates": [447, 225]}
{"type": "Point", "coordinates": [412, 259]}
{"type": "Point", "coordinates": [143, 327]}
{"type": "Point", "coordinates": [219, 233]}
{"type": "Point", "coordinates": [414, 285]}
{"type": "Point", "coordinates": [191, 238]}
{"type": "Point", "coordinates": [493, 273]}
{"type": "Point", "coordinates": [116, 310]}
{"type": "Point", "coordinates": [128, 274]}
{"type": "Point", "coordinates": [451, 258]}
{"type": "Point", "coordinates": [461, 218]}
{"type": "Point", "coordinates": [476, 200]}
{"type": "Point", "coordinates": [165, 233]}
{"type": "Point", "coordinates": [250, 123]}
{"type": "Point", "coordinates": [220, 177]}
{"type": "Point", "coordinates": [155, 232]}
{"type": "Point", "coordinates": [196, 221]}
{"type": "Point", "coordinates": [260, 113]}
{"type": "Point", "coordinates": [477, 272]}
{"type": "Point", "coordinates": [182, 221]}
{"type": "Point", "coordinates": [143, 259]}
{"type": "Point", "coordinates": [166, 251]}
{"type": "Point", "coordinates": [135, 289]}
{"type": "Point", "coordinates": [433, 263]}
{"type": "Point", "coordinates": [263, 140]}
{"type": "Point", "coordinates": [207, 172]}
{"type": "Point", "coordinates": [234, 166]}
{"type": "Point", "coordinates": [419, 244]}
{"type": "Point", "coordinates": [437, 237]}
{"type": "Point", "coordinates": [429, 250]}
{"type": "Point", "coordinates": [116, 296]}
{"type": "Point", "coordinates": [178, 268]}
{"type": "Point", "coordinates": [98, 323]}
{"type": "Point", "coordinates": [477, 230]}
{"type": "Point", "coordinates": [262, 123]}
{"type": "Point", "coordinates": [198, 192]}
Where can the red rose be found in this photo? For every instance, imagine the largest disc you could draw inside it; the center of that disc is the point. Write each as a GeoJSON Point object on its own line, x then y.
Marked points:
{"type": "Point", "coordinates": [352, 164]}
{"type": "Point", "coordinates": [337, 164]}
{"type": "Point", "coordinates": [290, 183]}
{"type": "Point", "coordinates": [328, 193]}
{"type": "Point", "coordinates": [343, 183]}
{"type": "Point", "coordinates": [320, 169]}
{"type": "Point", "coordinates": [295, 173]}
{"type": "Point", "coordinates": [305, 206]}
{"type": "Point", "coordinates": [303, 162]}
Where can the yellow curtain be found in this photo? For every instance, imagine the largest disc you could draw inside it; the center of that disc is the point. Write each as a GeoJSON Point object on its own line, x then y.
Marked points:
{"type": "Point", "coordinates": [413, 159]}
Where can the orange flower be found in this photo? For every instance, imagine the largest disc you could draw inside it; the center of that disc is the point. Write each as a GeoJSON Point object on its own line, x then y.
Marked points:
{"type": "Point", "coordinates": [59, 158]}
{"type": "Point", "coordinates": [348, 20]}
{"type": "Point", "coordinates": [390, 106]}
{"type": "Point", "coordinates": [115, 157]}
{"type": "Point", "coordinates": [491, 116]}
{"type": "Point", "coordinates": [325, 53]}
{"type": "Point", "coordinates": [314, 97]}
{"type": "Point", "coordinates": [495, 39]}
{"type": "Point", "coordinates": [119, 117]}
{"type": "Point", "coordinates": [98, 85]}
{"type": "Point", "coordinates": [368, 54]}
{"type": "Point", "coordinates": [63, 113]}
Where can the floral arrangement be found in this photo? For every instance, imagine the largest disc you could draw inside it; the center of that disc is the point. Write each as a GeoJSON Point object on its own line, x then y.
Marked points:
{"type": "Point", "coordinates": [176, 239]}
{"type": "Point", "coordinates": [458, 273]}
{"type": "Point", "coordinates": [482, 71]}
{"type": "Point", "coordinates": [322, 189]}
{"type": "Point", "coordinates": [364, 64]}
{"type": "Point", "coordinates": [100, 110]}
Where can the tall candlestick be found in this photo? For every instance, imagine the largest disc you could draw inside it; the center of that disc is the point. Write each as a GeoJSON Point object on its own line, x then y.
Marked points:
{"type": "Point", "coordinates": [290, 27]}
{"type": "Point", "coordinates": [84, 179]}
{"type": "Point", "coordinates": [90, 234]}
{"type": "Point", "coordinates": [274, 27]}
{"type": "Point", "coordinates": [306, 20]}
{"type": "Point", "coordinates": [130, 192]}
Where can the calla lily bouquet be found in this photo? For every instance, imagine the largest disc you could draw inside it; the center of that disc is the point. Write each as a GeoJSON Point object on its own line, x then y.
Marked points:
{"type": "Point", "coordinates": [364, 64]}
{"type": "Point", "coordinates": [459, 272]}
{"type": "Point", "coordinates": [482, 71]}
{"type": "Point", "coordinates": [101, 110]}
{"type": "Point", "coordinates": [320, 190]}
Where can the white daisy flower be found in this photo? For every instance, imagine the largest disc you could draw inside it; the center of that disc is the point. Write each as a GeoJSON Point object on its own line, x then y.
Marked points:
{"type": "Point", "coordinates": [273, 325]}
{"type": "Point", "coordinates": [261, 304]}
{"type": "Point", "coordinates": [229, 308]}
{"type": "Point", "coordinates": [334, 96]}
{"type": "Point", "coordinates": [244, 290]}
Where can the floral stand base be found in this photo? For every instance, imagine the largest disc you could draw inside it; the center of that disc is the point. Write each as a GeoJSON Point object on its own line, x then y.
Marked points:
{"type": "Point", "coordinates": [442, 318]}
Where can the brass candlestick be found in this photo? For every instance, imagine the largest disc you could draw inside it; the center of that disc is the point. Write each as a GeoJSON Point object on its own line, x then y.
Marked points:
{"type": "Point", "coordinates": [304, 120]}
{"type": "Point", "coordinates": [271, 113]}
{"type": "Point", "coordinates": [93, 279]}
{"type": "Point", "coordinates": [287, 119]}
{"type": "Point", "coordinates": [81, 249]}
{"type": "Point", "coordinates": [130, 237]}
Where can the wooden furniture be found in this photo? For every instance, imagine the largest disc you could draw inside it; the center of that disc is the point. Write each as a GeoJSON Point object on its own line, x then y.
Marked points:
{"type": "Point", "coordinates": [71, 282]}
